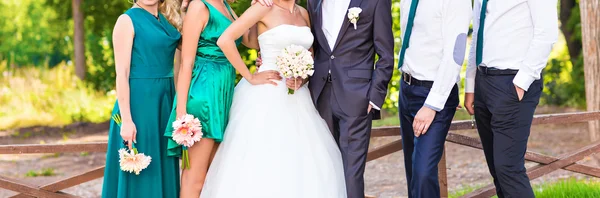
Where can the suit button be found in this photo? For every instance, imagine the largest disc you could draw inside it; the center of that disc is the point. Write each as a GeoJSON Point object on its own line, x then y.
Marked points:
{"type": "Point", "coordinates": [332, 57]}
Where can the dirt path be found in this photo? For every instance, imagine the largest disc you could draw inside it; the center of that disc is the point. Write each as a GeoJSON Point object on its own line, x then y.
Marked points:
{"type": "Point", "coordinates": [385, 176]}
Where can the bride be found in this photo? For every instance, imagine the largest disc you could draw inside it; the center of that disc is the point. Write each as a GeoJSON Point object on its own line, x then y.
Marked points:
{"type": "Point", "coordinates": [275, 145]}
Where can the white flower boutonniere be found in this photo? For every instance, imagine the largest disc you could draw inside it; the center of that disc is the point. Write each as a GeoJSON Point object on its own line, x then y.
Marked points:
{"type": "Point", "coordinates": [353, 15]}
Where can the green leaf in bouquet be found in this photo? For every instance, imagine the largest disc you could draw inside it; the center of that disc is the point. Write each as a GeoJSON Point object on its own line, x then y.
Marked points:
{"type": "Point", "coordinates": [117, 119]}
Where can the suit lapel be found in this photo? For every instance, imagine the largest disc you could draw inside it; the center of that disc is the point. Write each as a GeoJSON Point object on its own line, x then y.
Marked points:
{"type": "Point", "coordinates": [353, 3]}
{"type": "Point", "coordinates": [321, 39]}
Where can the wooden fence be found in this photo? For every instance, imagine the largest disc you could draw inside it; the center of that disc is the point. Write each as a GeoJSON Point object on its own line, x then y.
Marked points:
{"type": "Point", "coordinates": [546, 163]}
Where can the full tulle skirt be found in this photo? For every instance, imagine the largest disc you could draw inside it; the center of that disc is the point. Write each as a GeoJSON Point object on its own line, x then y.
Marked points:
{"type": "Point", "coordinates": [275, 145]}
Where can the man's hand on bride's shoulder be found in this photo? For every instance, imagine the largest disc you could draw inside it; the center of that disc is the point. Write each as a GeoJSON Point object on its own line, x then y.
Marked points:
{"type": "Point", "coordinates": [295, 83]}
{"type": "Point", "coordinates": [265, 77]}
{"type": "Point", "coordinates": [268, 3]}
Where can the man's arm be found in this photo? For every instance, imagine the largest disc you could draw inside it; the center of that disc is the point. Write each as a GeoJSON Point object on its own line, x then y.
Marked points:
{"type": "Point", "coordinates": [545, 34]}
{"type": "Point", "coordinates": [455, 26]}
{"type": "Point", "coordinates": [471, 64]}
{"type": "Point", "coordinates": [383, 39]}
{"type": "Point", "coordinates": [456, 17]}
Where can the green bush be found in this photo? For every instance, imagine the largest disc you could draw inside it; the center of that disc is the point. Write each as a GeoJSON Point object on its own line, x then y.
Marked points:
{"type": "Point", "coordinates": [49, 97]}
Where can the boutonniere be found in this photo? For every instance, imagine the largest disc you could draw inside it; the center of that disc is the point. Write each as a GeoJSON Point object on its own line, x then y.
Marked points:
{"type": "Point", "coordinates": [353, 15]}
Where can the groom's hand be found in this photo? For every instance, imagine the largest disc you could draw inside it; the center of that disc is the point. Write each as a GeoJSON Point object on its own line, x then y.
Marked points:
{"type": "Point", "coordinates": [423, 120]}
{"type": "Point", "coordinates": [369, 108]}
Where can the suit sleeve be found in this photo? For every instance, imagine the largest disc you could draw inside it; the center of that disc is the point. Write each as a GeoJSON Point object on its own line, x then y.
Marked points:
{"type": "Point", "coordinates": [383, 39]}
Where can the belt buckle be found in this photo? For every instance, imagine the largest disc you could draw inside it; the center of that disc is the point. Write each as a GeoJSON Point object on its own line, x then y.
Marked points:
{"type": "Point", "coordinates": [409, 80]}
{"type": "Point", "coordinates": [483, 69]}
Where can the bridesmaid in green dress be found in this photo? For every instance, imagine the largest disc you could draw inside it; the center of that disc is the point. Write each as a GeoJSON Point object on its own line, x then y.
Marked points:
{"type": "Point", "coordinates": [205, 85]}
{"type": "Point", "coordinates": [144, 46]}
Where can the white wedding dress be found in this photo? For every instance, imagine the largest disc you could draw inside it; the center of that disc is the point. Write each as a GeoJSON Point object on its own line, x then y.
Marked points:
{"type": "Point", "coordinates": [276, 145]}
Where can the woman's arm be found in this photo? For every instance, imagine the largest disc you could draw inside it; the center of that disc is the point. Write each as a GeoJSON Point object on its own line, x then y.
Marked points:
{"type": "Point", "coordinates": [176, 65]}
{"type": "Point", "coordinates": [238, 28]}
{"type": "Point", "coordinates": [250, 38]}
{"type": "Point", "coordinates": [193, 25]}
{"type": "Point", "coordinates": [299, 82]}
{"type": "Point", "coordinates": [306, 17]}
{"type": "Point", "coordinates": [123, 34]}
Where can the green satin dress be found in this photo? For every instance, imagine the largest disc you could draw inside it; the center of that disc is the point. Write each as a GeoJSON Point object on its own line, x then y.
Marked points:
{"type": "Point", "coordinates": [213, 81]}
{"type": "Point", "coordinates": [151, 98]}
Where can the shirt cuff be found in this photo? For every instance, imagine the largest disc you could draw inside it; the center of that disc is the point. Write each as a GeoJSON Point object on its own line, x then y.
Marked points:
{"type": "Point", "coordinates": [469, 85]}
{"type": "Point", "coordinates": [374, 106]}
{"type": "Point", "coordinates": [523, 80]}
{"type": "Point", "coordinates": [435, 101]}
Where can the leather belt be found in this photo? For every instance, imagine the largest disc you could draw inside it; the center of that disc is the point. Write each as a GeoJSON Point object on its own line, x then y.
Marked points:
{"type": "Point", "coordinates": [496, 72]}
{"type": "Point", "coordinates": [408, 79]}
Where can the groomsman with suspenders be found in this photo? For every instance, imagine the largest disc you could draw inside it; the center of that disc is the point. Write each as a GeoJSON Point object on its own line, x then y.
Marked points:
{"type": "Point", "coordinates": [433, 51]}
{"type": "Point", "coordinates": [512, 40]}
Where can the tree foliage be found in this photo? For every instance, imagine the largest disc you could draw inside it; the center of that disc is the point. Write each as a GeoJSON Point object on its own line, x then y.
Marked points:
{"type": "Point", "coordinates": [38, 33]}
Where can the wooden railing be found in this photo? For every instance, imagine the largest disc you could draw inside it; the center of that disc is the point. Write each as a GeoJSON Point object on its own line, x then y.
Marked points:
{"type": "Point", "coordinates": [547, 164]}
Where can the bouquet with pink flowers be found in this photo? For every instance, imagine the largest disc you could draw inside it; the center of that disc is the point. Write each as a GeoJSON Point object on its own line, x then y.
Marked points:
{"type": "Point", "coordinates": [187, 130]}
{"type": "Point", "coordinates": [295, 62]}
{"type": "Point", "coordinates": [131, 161]}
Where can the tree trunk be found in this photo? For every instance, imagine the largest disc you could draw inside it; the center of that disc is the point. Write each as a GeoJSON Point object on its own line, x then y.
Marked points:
{"type": "Point", "coordinates": [79, 42]}
{"type": "Point", "coordinates": [573, 44]}
{"type": "Point", "coordinates": [590, 30]}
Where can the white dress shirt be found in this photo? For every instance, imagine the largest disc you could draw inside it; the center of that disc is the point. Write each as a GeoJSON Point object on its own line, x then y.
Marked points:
{"type": "Point", "coordinates": [437, 45]}
{"type": "Point", "coordinates": [334, 14]}
{"type": "Point", "coordinates": [518, 34]}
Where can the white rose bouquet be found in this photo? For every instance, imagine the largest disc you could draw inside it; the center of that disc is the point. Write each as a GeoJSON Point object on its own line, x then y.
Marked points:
{"type": "Point", "coordinates": [295, 62]}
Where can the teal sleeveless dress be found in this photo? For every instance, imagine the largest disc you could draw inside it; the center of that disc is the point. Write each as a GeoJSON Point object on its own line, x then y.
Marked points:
{"type": "Point", "coordinates": [151, 98]}
{"type": "Point", "coordinates": [213, 81]}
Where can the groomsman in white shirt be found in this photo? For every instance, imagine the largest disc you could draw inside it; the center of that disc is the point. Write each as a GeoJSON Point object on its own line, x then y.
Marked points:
{"type": "Point", "coordinates": [434, 34]}
{"type": "Point", "coordinates": [512, 40]}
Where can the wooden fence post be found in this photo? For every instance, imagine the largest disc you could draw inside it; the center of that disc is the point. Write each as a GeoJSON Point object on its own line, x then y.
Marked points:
{"type": "Point", "coordinates": [443, 176]}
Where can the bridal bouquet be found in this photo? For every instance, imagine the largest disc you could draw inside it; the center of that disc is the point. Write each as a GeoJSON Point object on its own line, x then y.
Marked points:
{"type": "Point", "coordinates": [131, 161]}
{"type": "Point", "coordinates": [187, 130]}
{"type": "Point", "coordinates": [295, 62]}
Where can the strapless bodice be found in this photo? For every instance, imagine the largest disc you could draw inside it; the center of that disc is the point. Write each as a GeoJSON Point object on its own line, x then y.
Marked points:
{"type": "Point", "coordinates": [274, 40]}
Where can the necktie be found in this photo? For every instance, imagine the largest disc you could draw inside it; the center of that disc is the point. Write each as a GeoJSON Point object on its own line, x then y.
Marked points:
{"type": "Point", "coordinates": [408, 31]}
{"type": "Point", "coordinates": [479, 52]}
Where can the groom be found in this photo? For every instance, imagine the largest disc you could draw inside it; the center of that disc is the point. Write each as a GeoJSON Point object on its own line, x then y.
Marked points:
{"type": "Point", "coordinates": [348, 87]}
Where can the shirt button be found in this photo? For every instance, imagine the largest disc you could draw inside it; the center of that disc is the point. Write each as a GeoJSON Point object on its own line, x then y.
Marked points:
{"type": "Point", "coordinates": [332, 57]}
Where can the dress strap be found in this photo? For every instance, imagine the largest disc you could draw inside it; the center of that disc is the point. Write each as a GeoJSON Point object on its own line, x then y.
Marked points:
{"type": "Point", "coordinates": [229, 9]}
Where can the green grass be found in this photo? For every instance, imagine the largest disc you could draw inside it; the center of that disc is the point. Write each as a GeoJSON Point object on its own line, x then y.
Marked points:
{"type": "Point", "coordinates": [49, 97]}
{"type": "Point", "coordinates": [45, 172]}
{"type": "Point", "coordinates": [570, 188]}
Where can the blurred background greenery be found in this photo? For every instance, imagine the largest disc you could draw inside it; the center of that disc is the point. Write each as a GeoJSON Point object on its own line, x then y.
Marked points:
{"type": "Point", "coordinates": [38, 85]}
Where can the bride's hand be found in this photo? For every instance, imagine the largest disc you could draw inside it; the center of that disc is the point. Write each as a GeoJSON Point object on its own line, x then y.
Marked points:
{"type": "Point", "coordinates": [265, 77]}
{"type": "Point", "coordinates": [295, 83]}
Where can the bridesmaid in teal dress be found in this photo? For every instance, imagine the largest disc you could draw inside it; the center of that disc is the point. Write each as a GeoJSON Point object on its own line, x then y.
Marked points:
{"type": "Point", "coordinates": [144, 46]}
{"type": "Point", "coordinates": [205, 85]}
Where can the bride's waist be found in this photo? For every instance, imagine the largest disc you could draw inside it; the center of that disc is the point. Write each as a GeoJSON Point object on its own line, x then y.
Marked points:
{"type": "Point", "coordinates": [267, 66]}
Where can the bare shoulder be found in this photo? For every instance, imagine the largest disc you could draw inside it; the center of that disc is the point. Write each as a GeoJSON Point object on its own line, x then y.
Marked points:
{"type": "Point", "coordinates": [123, 20]}
{"type": "Point", "coordinates": [124, 24]}
{"type": "Point", "coordinates": [304, 13]}
{"type": "Point", "coordinates": [196, 7]}
{"type": "Point", "coordinates": [257, 7]}
{"type": "Point", "coordinates": [302, 10]}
